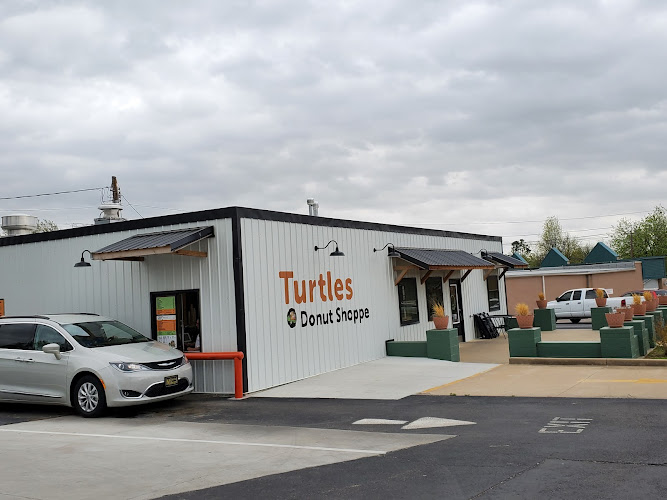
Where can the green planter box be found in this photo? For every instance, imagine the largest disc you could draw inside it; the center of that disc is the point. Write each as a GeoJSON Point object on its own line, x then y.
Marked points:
{"type": "Point", "coordinates": [619, 342]}
{"type": "Point", "coordinates": [409, 349]}
{"type": "Point", "coordinates": [443, 344]}
{"type": "Point", "coordinates": [511, 323]}
{"type": "Point", "coordinates": [641, 333]}
{"type": "Point", "coordinates": [663, 310]}
{"type": "Point", "coordinates": [598, 317]}
{"type": "Point", "coordinates": [563, 349]}
{"type": "Point", "coordinates": [545, 319]}
{"type": "Point", "coordinates": [650, 327]}
{"type": "Point", "coordinates": [523, 342]}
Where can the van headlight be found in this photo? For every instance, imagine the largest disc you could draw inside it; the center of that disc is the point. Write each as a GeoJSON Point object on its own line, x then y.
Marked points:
{"type": "Point", "coordinates": [124, 366]}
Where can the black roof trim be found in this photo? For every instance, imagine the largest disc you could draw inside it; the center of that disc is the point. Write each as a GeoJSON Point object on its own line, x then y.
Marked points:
{"type": "Point", "coordinates": [227, 213]}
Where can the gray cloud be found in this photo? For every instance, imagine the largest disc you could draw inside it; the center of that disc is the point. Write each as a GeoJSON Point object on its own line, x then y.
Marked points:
{"type": "Point", "coordinates": [446, 114]}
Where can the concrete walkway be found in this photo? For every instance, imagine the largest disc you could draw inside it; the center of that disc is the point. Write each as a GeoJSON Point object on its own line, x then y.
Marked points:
{"type": "Point", "coordinates": [483, 371]}
{"type": "Point", "coordinates": [386, 378]}
{"type": "Point", "coordinates": [553, 381]}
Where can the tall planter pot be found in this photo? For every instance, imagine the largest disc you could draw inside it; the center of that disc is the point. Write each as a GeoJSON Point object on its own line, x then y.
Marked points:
{"type": "Point", "coordinates": [639, 309]}
{"type": "Point", "coordinates": [541, 304]}
{"type": "Point", "coordinates": [650, 305]}
{"type": "Point", "coordinates": [441, 322]}
{"type": "Point", "coordinates": [601, 301]}
{"type": "Point", "coordinates": [525, 321]}
{"type": "Point", "coordinates": [629, 313]}
{"type": "Point", "coordinates": [615, 320]}
{"type": "Point", "coordinates": [662, 300]}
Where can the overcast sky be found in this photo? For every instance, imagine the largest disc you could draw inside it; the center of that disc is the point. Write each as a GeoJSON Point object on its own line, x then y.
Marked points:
{"type": "Point", "coordinates": [453, 115]}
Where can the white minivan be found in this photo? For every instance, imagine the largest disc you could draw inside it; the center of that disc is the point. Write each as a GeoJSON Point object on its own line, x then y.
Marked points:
{"type": "Point", "coordinates": [88, 362]}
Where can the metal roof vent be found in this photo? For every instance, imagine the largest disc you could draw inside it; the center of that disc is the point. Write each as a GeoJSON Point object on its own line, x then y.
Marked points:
{"type": "Point", "coordinates": [111, 208]}
{"type": "Point", "coordinates": [313, 207]}
{"type": "Point", "coordinates": [18, 224]}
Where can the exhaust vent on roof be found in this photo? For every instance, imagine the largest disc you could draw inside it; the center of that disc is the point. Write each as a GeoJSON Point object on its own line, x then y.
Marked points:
{"type": "Point", "coordinates": [313, 207]}
{"type": "Point", "coordinates": [19, 224]}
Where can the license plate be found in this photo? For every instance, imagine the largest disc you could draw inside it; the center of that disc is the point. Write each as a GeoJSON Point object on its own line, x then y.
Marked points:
{"type": "Point", "coordinates": [171, 381]}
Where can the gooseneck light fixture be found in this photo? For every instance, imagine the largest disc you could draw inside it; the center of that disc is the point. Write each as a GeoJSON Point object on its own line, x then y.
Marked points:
{"type": "Point", "coordinates": [83, 263]}
{"type": "Point", "coordinates": [391, 252]}
{"type": "Point", "coordinates": [335, 253]}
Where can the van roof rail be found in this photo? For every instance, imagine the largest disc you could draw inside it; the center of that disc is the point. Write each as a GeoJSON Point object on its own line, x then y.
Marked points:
{"type": "Point", "coordinates": [25, 316]}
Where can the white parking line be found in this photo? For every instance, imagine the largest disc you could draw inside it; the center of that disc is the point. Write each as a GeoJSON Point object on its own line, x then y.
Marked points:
{"type": "Point", "coordinates": [236, 443]}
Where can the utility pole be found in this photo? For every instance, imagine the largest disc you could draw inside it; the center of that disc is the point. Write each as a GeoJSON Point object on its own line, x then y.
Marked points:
{"type": "Point", "coordinates": [114, 190]}
{"type": "Point", "coordinates": [632, 244]}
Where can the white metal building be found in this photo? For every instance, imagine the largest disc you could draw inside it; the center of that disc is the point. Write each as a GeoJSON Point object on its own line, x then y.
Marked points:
{"type": "Point", "coordinates": [252, 280]}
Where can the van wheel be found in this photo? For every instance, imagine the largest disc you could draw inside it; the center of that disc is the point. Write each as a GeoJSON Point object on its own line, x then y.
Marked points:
{"type": "Point", "coordinates": [88, 398]}
{"type": "Point", "coordinates": [575, 320]}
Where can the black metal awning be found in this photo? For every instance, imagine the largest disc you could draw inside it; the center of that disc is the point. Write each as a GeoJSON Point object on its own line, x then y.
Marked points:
{"type": "Point", "coordinates": [504, 260]}
{"type": "Point", "coordinates": [430, 260]}
{"type": "Point", "coordinates": [165, 242]}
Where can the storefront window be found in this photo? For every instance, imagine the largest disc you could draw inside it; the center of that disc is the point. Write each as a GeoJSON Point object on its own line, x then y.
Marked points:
{"type": "Point", "coordinates": [493, 293]}
{"type": "Point", "coordinates": [176, 319]}
{"type": "Point", "coordinates": [407, 301]}
{"type": "Point", "coordinates": [433, 294]}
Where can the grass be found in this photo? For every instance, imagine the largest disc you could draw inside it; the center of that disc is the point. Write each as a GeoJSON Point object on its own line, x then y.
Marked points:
{"type": "Point", "coordinates": [660, 352]}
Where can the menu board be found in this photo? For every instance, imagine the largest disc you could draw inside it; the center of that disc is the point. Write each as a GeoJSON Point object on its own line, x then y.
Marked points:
{"type": "Point", "coordinates": [165, 316]}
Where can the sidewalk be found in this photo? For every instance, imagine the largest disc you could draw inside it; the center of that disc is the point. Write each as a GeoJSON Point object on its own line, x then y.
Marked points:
{"type": "Point", "coordinates": [595, 381]}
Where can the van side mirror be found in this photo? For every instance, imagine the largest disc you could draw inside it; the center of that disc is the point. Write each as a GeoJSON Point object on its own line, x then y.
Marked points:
{"type": "Point", "coordinates": [52, 349]}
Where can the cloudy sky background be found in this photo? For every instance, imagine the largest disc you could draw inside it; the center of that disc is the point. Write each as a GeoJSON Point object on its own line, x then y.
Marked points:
{"type": "Point", "coordinates": [466, 116]}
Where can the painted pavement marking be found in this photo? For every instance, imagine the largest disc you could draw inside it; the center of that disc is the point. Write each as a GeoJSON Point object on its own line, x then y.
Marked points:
{"type": "Point", "coordinates": [429, 422]}
{"type": "Point", "coordinates": [379, 421]}
{"type": "Point", "coordinates": [207, 441]}
{"type": "Point", "coordinates": [420, 423]}
{"type": "Point", "coordinates": [629, 381]}
{"type": "Point", "coordinates": [566, 425]}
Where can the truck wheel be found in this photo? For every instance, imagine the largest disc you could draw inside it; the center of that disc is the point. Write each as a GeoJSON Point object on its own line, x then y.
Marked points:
{"type": "Point", "coordinates": [575, 320]}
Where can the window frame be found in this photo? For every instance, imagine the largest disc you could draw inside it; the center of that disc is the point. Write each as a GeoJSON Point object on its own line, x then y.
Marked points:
{"type": "Point", "coordinates": [402, 285]}
{"type": "Point", "coordinates": [489, 291]}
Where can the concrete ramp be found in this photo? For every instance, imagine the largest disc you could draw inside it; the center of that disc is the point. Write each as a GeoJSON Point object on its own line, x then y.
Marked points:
{"type": "Point", "coordinates": [386, 378]}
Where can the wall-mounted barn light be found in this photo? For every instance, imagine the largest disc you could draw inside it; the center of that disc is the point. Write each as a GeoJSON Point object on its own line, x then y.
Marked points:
{"type": "Point", "coordinates": [390, 251]}
{"type": "Point", "coordinates": [335, 253]}
{"type": "Point", "coordinates": [83, 263]}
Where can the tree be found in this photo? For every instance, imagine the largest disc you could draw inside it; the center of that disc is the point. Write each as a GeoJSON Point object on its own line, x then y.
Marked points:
{"type": "Point", "coordinates": [521, 247]}
{"type": "Point", "coordinates": [646, 238]}
{"type": "Point", "coordinates": [553, 236]}
{"type": "Point", "coordinates": [45, 226]}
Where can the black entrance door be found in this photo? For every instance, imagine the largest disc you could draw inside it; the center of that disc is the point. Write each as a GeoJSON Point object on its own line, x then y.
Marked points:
{"type": "Point", "coordinates": [455, 305]}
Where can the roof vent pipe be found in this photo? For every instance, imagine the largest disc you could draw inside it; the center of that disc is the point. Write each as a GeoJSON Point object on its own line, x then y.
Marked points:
{"type": "Point", "coordinates": [19, 224]}
{"type": "Point", "coordinates": [313, 207]}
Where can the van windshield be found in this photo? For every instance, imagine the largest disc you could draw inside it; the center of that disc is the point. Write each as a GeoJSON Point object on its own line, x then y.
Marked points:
{"type": "Point", "coordinates": [104, 333]}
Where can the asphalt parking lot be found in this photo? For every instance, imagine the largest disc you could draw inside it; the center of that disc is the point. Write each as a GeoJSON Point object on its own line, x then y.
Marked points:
{"type": "Point", "coordinates": [468, 447]}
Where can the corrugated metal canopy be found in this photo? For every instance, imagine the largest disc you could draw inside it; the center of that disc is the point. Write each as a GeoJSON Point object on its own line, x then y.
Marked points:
{"type": "Point", "coordinates": [140, 245]}
{"type": "Point", "coordinates": [504, 260]}
{"type": "Point", "coordinates": [435, 259]}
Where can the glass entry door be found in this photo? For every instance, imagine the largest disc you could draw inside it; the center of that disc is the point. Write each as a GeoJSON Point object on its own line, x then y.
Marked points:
{"type": "Point", "coordinates": [455, 307]}
{"type": "Point", "coordinates": [175, 318]}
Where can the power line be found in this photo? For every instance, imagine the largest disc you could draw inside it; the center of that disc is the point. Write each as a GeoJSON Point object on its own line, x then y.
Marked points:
{"type": "Point", "coordinates": [128, 202]}
{"type": "Point", "coordinates": [530, 221]}
{"type": "Point", "coordinates": [50, 194]}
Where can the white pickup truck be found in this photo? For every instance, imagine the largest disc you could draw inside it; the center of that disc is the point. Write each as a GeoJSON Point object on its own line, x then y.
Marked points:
{"type": "Point", "coordinates": [576, 304]}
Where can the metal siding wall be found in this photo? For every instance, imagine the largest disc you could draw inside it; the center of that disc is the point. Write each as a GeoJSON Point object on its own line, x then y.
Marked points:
{"type": "Point", "coordinates": [48, 283]}
{"type": "Point", "coordinates": [278, 354]}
